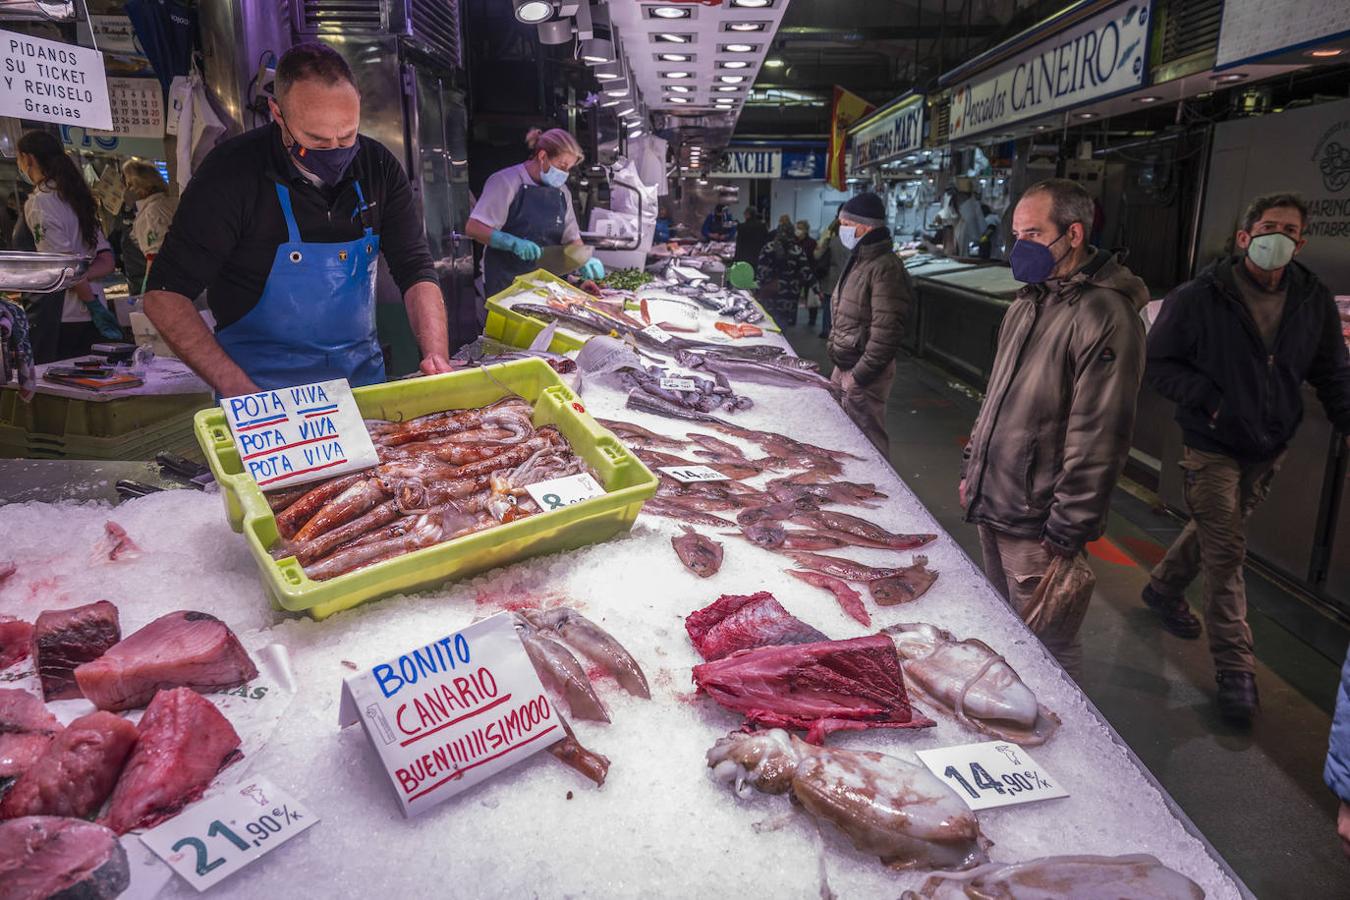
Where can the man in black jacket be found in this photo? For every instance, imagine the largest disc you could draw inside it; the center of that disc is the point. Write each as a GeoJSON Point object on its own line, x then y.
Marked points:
{"type": "Point", "coordinates": [1232, 349]}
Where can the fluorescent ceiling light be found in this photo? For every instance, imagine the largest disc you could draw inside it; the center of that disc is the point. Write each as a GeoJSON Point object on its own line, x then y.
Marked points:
{"type": "Point", "coordinates": [725, 89]}
{"type": "Point", "coordinates": [636, 132]}
{"type": "Point", "coordinates": [677, 99]}
{"type": "Point", "coordinates": [774, 63]}
{"type": "Point", "coordinates": [745, 26]}
{"type": "Point", "coordinates": [750, 4]}
{"type": "Point", "coordinates": [627, 112]}
{"type": "Point", "coordinates": [680, 88]}
{"type": "Point", "coordinates": [532, 12]}
{"type": "Point", "coordinates": [675, 75]}
{"type": "Point", "coordinates": [667, 37]}
{"type": "Point", "coordinates": [731, 79]}
{"type": "Point", "coordinates": [613, 102]}
{"type": "Point", "coordinates": [1325, 52]}
{"type": "Point", "coordinates": [674, 57]}
{"type": "Point", "coordinates": [669, 12]}
{"type": "Point", "coordinates": [1147, 99]}
{"type": "Point", "coordinates": [596, 51]}
{"type": "Point", "coordinates": [739, 48]}
{"type": "Point", "coordinates": [1086, 115]}
{"type": "Point", "coordinates": [1228, 78]}
{"type": "Point", "coordinates": [735, 64]}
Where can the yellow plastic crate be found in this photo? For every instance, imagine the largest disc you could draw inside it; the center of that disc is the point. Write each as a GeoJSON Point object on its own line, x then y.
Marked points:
{"type": "Point", "coordinates": [518, 330]}
{"type": "Point", "coordinates": [628, 484]}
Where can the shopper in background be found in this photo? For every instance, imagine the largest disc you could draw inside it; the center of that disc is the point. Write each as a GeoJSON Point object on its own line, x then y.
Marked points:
{"type": "Point", "coordinates": [751, 237]}
{"type": "Point", "coordinates": [1232, 349]}
{"type": "Point", "coordinates": [970, 223]}
{"type": "Point", "coordinates": [154, 209]}
{"type": "Point", "coordinates": [784, 271]}
{"type": "Point", "coordinates": [1054, 431]}
{"type": "Point", "coordinates": [61, 216]}
{"type": "Point", "coordinates": [661, 234]}
{"type": "Point", "coordinates": [831, 257]}
{"type": "Point", "coordinates": [812, 293]}
{"type": "Point", "coordinates": [719, 225]}
{"type": "Point", "coordinates": [869, 303]}
{"type": "Point", "coordinates": [1337, 770]}
{"type": "Point", "coordinates": [527, 207]}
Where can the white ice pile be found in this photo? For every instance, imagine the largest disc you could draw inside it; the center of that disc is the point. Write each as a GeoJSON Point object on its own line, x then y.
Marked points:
{"type": "Point", "coordinates": [660, 826]}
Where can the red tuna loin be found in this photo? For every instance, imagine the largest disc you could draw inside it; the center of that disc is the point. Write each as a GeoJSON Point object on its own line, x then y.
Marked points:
{"type": "Point", "coordinates": [181, 649]}
{"type": "Point", "coordinates": [76, 773]}
{"type": "Point", "coordinates": [52, 857]}
{"type": "Point", "coordinates": [26, 728]}
{"type": "Point", "coordinates": [65, 638]}
{"type": "Point", "coordinates": [184, 741]}
{"type": "Point", "coordinates": [822, 687]}
{"type": "Point", "coordinates": [733, 622]}
{"type": "Point", "coordinates": [16, 636]}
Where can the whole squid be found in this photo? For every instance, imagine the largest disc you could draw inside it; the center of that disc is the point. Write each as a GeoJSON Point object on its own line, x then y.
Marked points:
{"type": "Point", "coordinates": [1054, 877]}
{"type": "Point", "coordinates": [972, 682]}
{"type": "Point", "coordinates": [886, 806]}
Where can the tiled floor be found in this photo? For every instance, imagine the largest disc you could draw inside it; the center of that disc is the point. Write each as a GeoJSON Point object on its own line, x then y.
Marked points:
{"type": "Point", "coordinates": [1256, 793]}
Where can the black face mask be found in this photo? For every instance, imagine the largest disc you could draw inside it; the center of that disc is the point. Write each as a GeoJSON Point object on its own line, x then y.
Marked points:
{"type": "Point", "coordinates": [328, 165]}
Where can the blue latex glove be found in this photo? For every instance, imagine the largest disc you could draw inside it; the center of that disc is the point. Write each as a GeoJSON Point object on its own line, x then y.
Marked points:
{"type": "Point", "coordinates": [592, 269]}
{"type": "Point", "coordinates": [523, 249]}
{"type": "Point", "coordinates": [104, 320]}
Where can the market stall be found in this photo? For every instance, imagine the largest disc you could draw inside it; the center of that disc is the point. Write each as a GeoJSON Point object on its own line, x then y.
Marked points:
{"type": "Point", "coordinates": [663, 823]}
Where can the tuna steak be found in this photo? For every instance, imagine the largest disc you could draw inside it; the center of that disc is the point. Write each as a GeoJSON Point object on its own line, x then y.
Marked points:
{"type": "Point", "coordinates": [26, 728]}
{"type": "Point", "coordinates": [76, 773]}
{"type": "Point", "coordinates": [822, 687]}
{"type": "Point", "coordinates": [45, 857]}
{"type": "Point", "coordinates": [734, 623]}
{"type": "Point", "coordinates": [16, 636]}
{"type": "Point", "coordinates": [66, 638]}
{"type": "Point", "coordinates": [184, 741]}
{"type": "Point", "coordinates": [181, 649]}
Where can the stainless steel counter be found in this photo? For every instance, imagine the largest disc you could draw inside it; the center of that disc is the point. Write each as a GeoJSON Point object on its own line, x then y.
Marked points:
{"type": "Point", "coordinates": [47, 481]}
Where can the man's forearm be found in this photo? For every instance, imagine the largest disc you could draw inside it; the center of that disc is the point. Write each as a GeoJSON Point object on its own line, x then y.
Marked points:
{"type": "Point", "coordinates": [426, 314]}
{"type": "Point", "coordinates": [179, 323]}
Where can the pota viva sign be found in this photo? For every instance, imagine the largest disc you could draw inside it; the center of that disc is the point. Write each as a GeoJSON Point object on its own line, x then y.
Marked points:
{"type": "Point", "coordinates": [1097, 58]}
{"type": "Point", "coordinates": [891, 134]}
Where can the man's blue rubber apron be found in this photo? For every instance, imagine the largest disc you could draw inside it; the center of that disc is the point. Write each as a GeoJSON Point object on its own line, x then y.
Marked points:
{"type": "Point", "coordinates": [539, 214]}
{"type": "Point", "coordinates": [315, 320]}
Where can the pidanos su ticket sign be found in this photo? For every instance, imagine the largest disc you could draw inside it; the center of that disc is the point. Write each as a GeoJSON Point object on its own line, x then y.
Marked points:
{"type": "Point", "coordinates": [448, 715]}
{"type": "Point", "coordinates": [48, 81]}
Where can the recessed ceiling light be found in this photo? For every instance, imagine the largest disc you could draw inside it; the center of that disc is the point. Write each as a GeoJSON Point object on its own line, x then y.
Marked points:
{"type": "Point", "coordinates": [731, 79]}
{"type": "Point", "coordinates": [1150, 99]}
{"type": "Point", "coordinates": [774, 63]}
{"type": "Point", "coordinates": [680, 88]}
{"type": "Point", "coordinates": [678, 99]}
{"type": "Point", "coordinates": [750, 4]}
{"type": "Point", "coordinates": [735, 64]}
{"type": "Point", "coordinates": [607, 76]}
{"type": "Point", "coordinates": [532, 12]}
{"type": "Point", "coordinates": [745, 26]}
{"type": "Point", "coordinates": [636, 132]}
{"type": "Point", "coordinates": [674, 57]}
{"type": "Point", "coordinates": [1228, 77]}
{"type": "Point", "coordinates": [627, 111]}
{"type": "Point", "coordinates": [1325, 52]}
{"type": "Point", "coordinates": [1042, 127]}
{"type": "Point", "coordinates": [1085, 115]}
{"type": "Point", "coordinates": [611, 102]}
{"type": "Point", "coordinates": [726, 89]}
{"type": "Point", "coordinates": [620, 90]}
{"type": "Point", "coordinates": [667, 37]}
{"type": "Point", "coordinates": [675, 75]}
{"type": "Point", "coordinates": [739, 48]}
{"type": "Point", "coordinates": [670, 12]}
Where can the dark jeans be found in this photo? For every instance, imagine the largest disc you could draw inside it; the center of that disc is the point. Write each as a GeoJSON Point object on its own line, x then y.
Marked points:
{"type": "Point", "coordinates": [825, 317]}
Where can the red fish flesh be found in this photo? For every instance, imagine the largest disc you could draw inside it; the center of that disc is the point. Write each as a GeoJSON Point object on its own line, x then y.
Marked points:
{"type": "Point", "coordinates": [850, 601]}
{"type": "Point", "coordinates": [180, 649]}
{"type": "Point", "coordinates": [76, 773]}
{"type": "Point", "coordinates": [116, 543]}
{"type": "Point", "coordinates": [26, 728]}
{"type": "Point", "coordinates": [16, 636]}
{"type": "Point", "coordinates": [822, 687]}
{"type": "Point", "coordinates": [64, 639]}
{"type": "Point", "coordinates": [742, 622]}
{"type": "Point", "coordinates": [44, 857]}
{"type": "Point", "coordinates": [700, 555]}
{"type": "Point", "coordinates": [184, 741]}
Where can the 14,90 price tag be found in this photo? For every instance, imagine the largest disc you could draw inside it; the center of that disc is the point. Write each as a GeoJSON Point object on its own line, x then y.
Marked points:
{"type": "Point", "coordinates": [690, 474]}
{"type": "Point", "coordinates": [993, 773]}
{"type": "Point", "coordinates": [219, 836]}
{"type": "Point", "coordinates": [557, 493]}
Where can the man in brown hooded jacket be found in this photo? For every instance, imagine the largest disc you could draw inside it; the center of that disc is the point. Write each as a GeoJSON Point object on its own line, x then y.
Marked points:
{"type": "Point", "coordinates": [1054, 431]}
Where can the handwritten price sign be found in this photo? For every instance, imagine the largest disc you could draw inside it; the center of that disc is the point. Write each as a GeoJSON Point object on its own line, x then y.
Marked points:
{"type": "Point", "coordinates": [219, 836]}
{"type": "Point", "coordinates": [993, 773]}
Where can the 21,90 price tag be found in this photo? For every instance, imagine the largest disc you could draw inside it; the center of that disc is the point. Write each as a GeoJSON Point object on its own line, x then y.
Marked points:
{"type": "Point", "coordinates": [558, 493]}
{"type": "Point", "coordinates": [214, 839]}
{"type": "Point", "coordinates": [690, 474]}
{"type": "Point", "coordinates": [993, 773]}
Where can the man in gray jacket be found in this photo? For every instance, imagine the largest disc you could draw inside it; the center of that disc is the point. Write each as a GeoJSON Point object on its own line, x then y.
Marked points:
{"type": "Point", "coordinates": [1055, 428]}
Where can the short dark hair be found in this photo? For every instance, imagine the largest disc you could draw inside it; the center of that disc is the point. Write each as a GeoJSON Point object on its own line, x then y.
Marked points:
{"type": "Point", "coordinates": [311, 61]}
{"type": "Point", "coordinates": [1069, 202]}
{"type": "Point", "coordinates": [1260, 205]}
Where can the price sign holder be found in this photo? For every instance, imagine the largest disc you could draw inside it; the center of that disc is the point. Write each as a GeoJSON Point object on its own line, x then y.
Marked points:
{"type": "Point", "coordinates": [217, 837]}
{"type": "Point", "coordinates": [992, 773]}
{"type": "Point", "coordinates": [678, 384]}
{"type": "Point", "coordinates": [448, 715]}
{"type": "Point", "coordinates": [657, 333]}
{"type": "Point", "coordinates": [560, 493]}
{"type": "Point", "coordinates": [299, 434]}
{"type": "Point", "coordinates": [691, 474]}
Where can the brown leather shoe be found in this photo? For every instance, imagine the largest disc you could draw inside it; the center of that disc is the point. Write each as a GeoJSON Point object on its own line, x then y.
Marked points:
{"type": "Point", "coordinates": [1174, 613]}
{"type": "Point", "coordinates": [1237, 696]}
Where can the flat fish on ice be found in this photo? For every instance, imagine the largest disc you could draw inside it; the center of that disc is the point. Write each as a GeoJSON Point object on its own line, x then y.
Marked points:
{"type": "Point", "coordinates": [700, 555]}
{"type": "Point", "coordinates": [908, 583]}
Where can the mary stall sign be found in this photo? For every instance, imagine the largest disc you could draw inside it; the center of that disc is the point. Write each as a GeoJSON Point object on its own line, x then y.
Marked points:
{"type": "Point", "coordinates": [1100, 57]}
{"type": "Point", "coordinates": [888, 134]}
{"type": "Point", "coordinates": [48, 81]}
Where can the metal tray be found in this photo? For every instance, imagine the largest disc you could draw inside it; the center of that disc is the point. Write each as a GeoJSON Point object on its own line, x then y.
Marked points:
{"type": "Point", "coordinates": [40, 273]}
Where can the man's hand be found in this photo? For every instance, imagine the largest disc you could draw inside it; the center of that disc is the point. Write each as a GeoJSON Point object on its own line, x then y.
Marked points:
{"type": "Point", "coordinates": [847, 382]}
{"type": "Point", "coordinates": [1056, 549]}
{"type": "Point", "coordinates": [961, 493]}
{"type": "Point", "coordinates": [1343, 826]}
{"type": "Point", "coordinates": [435, 364]}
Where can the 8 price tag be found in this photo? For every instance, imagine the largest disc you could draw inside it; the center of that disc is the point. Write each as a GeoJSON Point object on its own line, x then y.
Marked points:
{"type": "Point", "coordinates": [689, 474]}
{"type": "Point", "coordinates": [219, 836]}
{"type": "Point", "coordinates": [994, 773]}
{"type": "Point", "coordinates": [678, 384]}
{"type": "Point", "coordinates": [557, 493]}
{"type": "Point", "coordinates": [657, 333]}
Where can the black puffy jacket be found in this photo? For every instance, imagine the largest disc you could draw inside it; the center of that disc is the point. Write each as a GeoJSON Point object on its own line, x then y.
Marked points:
{"type": "Point", "coordinates": [1233, 397]}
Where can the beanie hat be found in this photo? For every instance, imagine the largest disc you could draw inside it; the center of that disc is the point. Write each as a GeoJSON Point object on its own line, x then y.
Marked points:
{"type": "Point", "coordinates": [865, 209]}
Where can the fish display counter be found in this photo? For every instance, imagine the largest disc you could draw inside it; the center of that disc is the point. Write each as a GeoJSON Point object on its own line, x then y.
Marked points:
{"type": "Point", "coordinates": [771, 683]}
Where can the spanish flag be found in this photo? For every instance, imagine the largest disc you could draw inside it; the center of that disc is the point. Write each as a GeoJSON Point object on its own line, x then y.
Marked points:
{"type": "Point", "coordinates": [847, 109]}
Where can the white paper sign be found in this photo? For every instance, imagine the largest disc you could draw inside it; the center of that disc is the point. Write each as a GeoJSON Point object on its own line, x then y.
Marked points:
{"type": "Point", "coordinates": [559, 493]}
{"type": "Point", "coordinates": [299, 434]}
{"type": "Point", "coordinates": [678, 384]}
{"type": "Point", "coordinates": [212, 840]}
{"type": "Point", "coordinates": [179, 89]}
{"type": "Point", "coordinates": [49, 81]}
{"type": "Point", "coordinates": [689, 474]}
{"type": "Point", "coordinates": [657, 333]}
{"type": "Point", "coordinates": [993, 773]}
{"type": "Point", "coordinates": [115, 34]}
{"type": "Point", "coordinates": [448, 715]}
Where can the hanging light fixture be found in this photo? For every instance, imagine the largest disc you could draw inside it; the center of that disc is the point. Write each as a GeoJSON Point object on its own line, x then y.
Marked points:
{"type": "Point", "coordinates": [598, 49]}
{"type": "Point", "coordinates": [555, 32]}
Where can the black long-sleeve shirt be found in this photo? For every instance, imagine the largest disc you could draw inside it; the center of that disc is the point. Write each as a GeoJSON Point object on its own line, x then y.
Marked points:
{"type": "Point", "coordinates": [229, 223]}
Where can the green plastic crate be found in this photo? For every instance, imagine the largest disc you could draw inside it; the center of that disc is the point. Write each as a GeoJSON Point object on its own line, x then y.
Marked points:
{"type": "Point", "coordinates": [628, 484]}
{"type": "Point", "coordinates": [517, 330]}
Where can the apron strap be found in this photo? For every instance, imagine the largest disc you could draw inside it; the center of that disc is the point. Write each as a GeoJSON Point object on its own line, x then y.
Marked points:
{"type": "Point", "coordinates": [362, 209]}
{"type": "Point", "coordinates": [284, 195]}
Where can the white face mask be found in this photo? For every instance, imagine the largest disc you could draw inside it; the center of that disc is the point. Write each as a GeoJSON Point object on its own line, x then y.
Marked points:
{"type": "Point", "coordinates": [1271, 251]}
{"type": "Point", "coordinates": [848, 235]}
